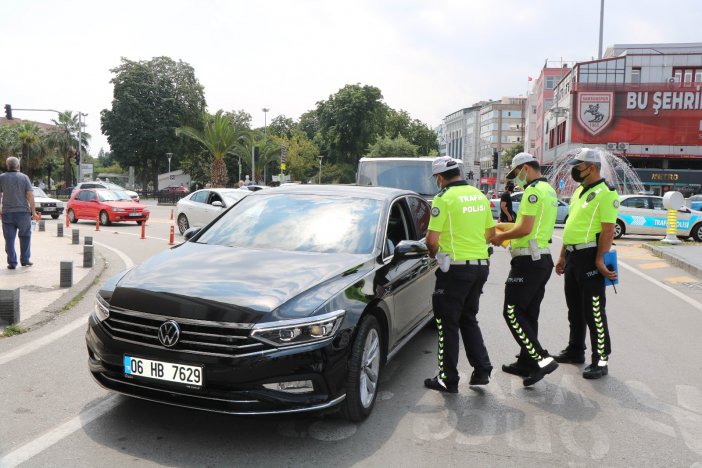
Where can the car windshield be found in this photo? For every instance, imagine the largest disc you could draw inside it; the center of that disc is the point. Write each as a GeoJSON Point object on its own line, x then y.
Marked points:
{"type": "Point", "coordinates": [307, 223]}
{"type": "Point", "coordinates": [408, 175]}
{"type": "Point", "coordinates": [39, 192]}
{"type": "Point", "coordinates": [112, 186]}
{"type": "Point", "coordinates": [107, 195]}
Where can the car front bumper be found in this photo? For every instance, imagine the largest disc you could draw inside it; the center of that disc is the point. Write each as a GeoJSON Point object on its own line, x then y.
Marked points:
{"type": "Point", "coordinates": [232, 385]}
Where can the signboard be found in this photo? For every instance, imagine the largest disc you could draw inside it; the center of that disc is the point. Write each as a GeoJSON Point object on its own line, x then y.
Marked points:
{"type": "Point", "coordinates": [643, 115]}
{"type": "Point", "coordinates": [86, 169]}
{"type": "Point", "coordinates": [488, 180]}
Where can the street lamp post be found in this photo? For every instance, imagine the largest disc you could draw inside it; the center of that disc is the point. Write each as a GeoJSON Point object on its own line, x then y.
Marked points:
{"type": "Point", "coordinates": [80, 145]}
{"type": "Point", "coordinates": [320, 168]}
{"type": "Point", "coordinates": [265, 139]}
{"type": "Point", "coordinates": [169, 156]}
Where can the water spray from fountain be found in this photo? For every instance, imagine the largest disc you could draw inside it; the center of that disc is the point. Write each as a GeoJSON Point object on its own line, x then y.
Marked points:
{"type": "Point", "coordinates": [615, 169]}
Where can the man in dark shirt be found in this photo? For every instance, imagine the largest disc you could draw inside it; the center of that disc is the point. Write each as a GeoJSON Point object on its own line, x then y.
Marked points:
{"type": "Point", "coordinates": [17, 212]}
{"type": "Point", "coordinates": [506, 211]}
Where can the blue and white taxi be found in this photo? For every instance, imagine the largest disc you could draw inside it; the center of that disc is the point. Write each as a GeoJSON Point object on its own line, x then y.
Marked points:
{"type": "Point", "coordinates": [645, 214]}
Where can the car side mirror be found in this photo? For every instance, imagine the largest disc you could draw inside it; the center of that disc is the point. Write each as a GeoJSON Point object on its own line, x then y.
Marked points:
{"type": "Point", "coordinates": [191, 232]}
{"type": "Point", "coordinates": [409, 249]}
{"type": "Point", "coordinates": [218, 203]}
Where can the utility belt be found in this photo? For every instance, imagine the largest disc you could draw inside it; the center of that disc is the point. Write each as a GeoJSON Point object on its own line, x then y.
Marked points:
{"type": "Point", "coordinates": [471, 262]}
{"type": "Point", "coordinates": [586, 245]}
{"type": "Point", "coordinates": [527, 251]}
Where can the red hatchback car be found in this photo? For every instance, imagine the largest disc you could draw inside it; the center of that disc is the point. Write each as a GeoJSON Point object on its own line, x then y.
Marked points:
{"type": "Point", "coordinates": [110, 206]}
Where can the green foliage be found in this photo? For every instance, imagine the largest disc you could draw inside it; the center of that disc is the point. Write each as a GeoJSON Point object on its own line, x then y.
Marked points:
{"type": "Point", "coordinates": [150, 100]}
{"type": "Point", "coordinates": [282, 126]}
{"type": "Point", "coordinates": [301, 159]}
{"type": "Point", "coordinates": [63, 140]}
{"type": "Point", "coordinates": [13, 329]}
{"type": "Point", "coordinates": [393, 147]}
{"type": "Point", "coordinates": [509, 154]}
{"type": "Point", "coordinates": [339, 173]}
{"type": "Point", "coordinates": [399, 123]}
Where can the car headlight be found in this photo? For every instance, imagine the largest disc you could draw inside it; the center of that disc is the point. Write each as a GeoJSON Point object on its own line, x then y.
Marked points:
{"type": "Point", "coordinates": [118, 210]}
{"type": "Point", "coordinates": [101, 310]}
{"type": "Point", "coordinates": [300, 331]}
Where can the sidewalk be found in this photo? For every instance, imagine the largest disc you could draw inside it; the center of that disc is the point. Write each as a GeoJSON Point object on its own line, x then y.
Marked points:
{"type": "Point", "coordinates": [686, 256]}
{"type": "Point", "coordinates": [40, 294]}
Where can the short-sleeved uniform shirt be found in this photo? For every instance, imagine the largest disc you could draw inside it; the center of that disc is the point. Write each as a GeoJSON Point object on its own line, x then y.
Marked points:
{"type": "Point", "coordinates": [540, 201]}
{"type": "Point", "coordinates": [14, 186]}
{"type": "Point", "coordinates": [461, 213]}
{"type": "Point", "coordinates": [590, 207]}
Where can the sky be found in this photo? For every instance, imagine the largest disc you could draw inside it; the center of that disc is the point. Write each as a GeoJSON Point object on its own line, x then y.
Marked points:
{"type": "Point", "coordinates": [429, 58]}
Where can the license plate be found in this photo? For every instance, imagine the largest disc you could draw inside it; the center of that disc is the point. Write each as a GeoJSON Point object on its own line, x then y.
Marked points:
{"type": "Point", "coordinates": [49, 208]}
{"type": "Point", "coordinates": [135, 215]}
{"type": "Point", "coordinates": [168, 371]}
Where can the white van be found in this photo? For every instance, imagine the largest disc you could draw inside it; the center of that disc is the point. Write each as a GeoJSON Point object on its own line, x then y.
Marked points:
{"type": "Point", "coordinates": [403, 173]}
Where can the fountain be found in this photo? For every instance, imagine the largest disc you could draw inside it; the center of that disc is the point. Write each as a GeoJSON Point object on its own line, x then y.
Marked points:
{"type": "Point", "coordinates": [615, 169]}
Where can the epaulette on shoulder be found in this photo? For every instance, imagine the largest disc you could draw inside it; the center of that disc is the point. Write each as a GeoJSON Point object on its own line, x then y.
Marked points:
{"type": "Point", "coordinates": [610, 186]}
{"type": "Point", "coordinates": [443, 191]}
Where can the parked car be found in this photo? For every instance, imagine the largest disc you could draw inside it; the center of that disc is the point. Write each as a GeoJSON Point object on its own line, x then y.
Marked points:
{"type": "Point", "coordinates": [295, 299]}
{"type": "Point", "coordinates": [561, 215]}
{"type": "Point", "coordinates": [695, 202]}
{"type": "Point", "coordinates": [252, 187]}
{"type": "Point", "coordinates": [110, 206]}
{"type": "Point", "coordinates": [201, 207]}
{"type": "Point", "coordinates": [176, 189]}
{"type": "Point", "coordinates": [645, 214]}
{"type": "Point", "coordinates": [106, 185]}
{"type": "Point", "coordinates": [46, 205]}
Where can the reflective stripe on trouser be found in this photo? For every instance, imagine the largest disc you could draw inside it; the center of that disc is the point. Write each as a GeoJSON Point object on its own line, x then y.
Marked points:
{"type": "Point", "coordinates": [456, 300]}
{"type": "Point", "coordinates": [586, 300]}
{"type": "Point", "coordinates": [524, 291]}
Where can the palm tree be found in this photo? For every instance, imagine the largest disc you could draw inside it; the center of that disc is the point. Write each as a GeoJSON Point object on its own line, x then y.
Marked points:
{"type": "Point", "coordinates": [219, 138]}
{"type": "Point", "coordinates": [64, 140]}
{"type": "Point", "coordinates": [29, 140]}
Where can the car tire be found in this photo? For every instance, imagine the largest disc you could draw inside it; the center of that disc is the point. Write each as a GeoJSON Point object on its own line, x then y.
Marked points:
{"type": "Point", "coordinates": [72, 217]}
{"type": "Point", "coordinates": [140, 222]}
{"type": "Point", "coordinates": [619, 229]}
{"type": "Point", "coordinates": [54, 216]}
{"type": "Point", "coordinates": [365, 365]}
{"type": "Point", "coordinates": [696, 232]}
{"type": "Point", "coordinates": [104, 218]}
{"type": "Point", "coordinates": [183, 224]}
{"type": "Point", "coordinates": [565, 219]}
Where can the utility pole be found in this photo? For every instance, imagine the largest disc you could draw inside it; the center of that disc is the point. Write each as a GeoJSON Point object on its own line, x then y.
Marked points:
{"type": "Point", "coordinates": [599, 54]}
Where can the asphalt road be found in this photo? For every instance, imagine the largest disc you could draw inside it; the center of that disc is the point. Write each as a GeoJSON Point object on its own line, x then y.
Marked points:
{"type": "Point", "coordinates": [647, 412]}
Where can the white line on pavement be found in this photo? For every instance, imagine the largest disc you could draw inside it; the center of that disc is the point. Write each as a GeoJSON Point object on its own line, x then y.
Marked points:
{"type": "Point", "coordinates": [139, 235]}
{"type": "Point", "coordinates": [41, 443]}
{"type": "Point", "coordinates": [61, 332]}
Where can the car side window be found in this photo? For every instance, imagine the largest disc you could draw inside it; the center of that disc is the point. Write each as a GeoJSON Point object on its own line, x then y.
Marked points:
{"type": "Point", "coordinates": [398, 228]}
{"type": "Point", "coordinates": [657, 203]}
{"type": "Point", "coordinates": [420, 214]}
{"type": "Point", "coordinates": [92, 196]}
{"type": "Point", "coordinates": [635, 202]}
{"type": "Point", "coordinates": [215, 197]}
{"type": "Point", "coordinates": [200, 197]}
{"type": "Point", "coordinates": [517, 197]}
{"type": "Point", "coordinates": [81, 196]}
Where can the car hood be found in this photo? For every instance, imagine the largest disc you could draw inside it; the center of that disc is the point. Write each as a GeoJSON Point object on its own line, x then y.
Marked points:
{"type": "Point", "coordinates": [124, 204]}
{"type": "Point", "coordinates": [230, 284]}
{"type": "Point", "coordinates": [48, 200]}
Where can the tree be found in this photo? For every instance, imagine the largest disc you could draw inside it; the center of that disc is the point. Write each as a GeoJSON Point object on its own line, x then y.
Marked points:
{"type": "Point", "coordinates": [301, 159]}
{"type": "Point", "coordinates": [63, 139]}
{"type": "Point", "coordinates": [30, 141]}
{"type": "Point", "coordinates": [150, 100]}
{"type": "Point", "coordinates": [415, 131]}
{"type": "Point", "coordinates": [219, 138]}
{"type": "Point", "coordinates": [282, 126]}
{"type": "Point", "coordinates": [509, 154]}
{"type": "Point", "coordinates": [389, 147]}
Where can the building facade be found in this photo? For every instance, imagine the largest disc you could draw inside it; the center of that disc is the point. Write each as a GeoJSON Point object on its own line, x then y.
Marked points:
{"type": "Point", "coordinates": [501, 128]}
{"type": "Point", "coordinates": [640, 101]}
{"type": "Point", "coordinates": [460, 133]}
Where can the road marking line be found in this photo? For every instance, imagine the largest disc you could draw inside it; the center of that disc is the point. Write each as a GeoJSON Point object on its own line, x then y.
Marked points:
{"type": "Point", "coordinates": [681, 279]}
{"type": "Point", "coordinates": [43, 442]}
{"type": "Point", "coordinates": [61, 332]}
{"type": "Point", "coordinates": [139, 235]}
{"type": "Point", "coordinates": [653, 265]}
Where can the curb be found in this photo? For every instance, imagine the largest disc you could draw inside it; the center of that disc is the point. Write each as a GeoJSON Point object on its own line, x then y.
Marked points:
{"type": "Point", "coordinates": [54, 309]}
{"type": "Point", "coordinates": [673, 259]}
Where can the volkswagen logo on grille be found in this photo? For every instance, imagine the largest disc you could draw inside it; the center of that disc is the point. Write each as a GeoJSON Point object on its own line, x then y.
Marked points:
{"type": "Point", "coordinates": [169, 333]}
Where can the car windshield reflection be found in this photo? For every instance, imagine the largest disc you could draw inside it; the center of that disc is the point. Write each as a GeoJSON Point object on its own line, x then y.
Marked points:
{"type": "Point", "coordinates": [305, 223]}
{"type": "Point", "coordinates": [106, 195]}
{"type": "Point", "coordinates": [39, 192]}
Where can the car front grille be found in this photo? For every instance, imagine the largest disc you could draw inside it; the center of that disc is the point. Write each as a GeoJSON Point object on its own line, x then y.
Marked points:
{"type": "Point", "coordinates": [48, 205]}
{"type": "Point", "coordinates": [196, 336]}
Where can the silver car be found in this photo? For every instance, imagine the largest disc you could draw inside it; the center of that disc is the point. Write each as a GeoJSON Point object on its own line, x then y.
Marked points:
{"type": "Point", "coordinates": [561, 216]}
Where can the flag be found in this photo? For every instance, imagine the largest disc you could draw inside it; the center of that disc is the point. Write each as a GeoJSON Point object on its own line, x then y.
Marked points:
{"type": "Point", "coordinates": [529, 78]}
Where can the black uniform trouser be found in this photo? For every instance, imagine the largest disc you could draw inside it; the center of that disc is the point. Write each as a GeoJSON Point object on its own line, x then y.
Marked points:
{"type": "Point", "coordinates": [456, 301]}
{"type": "Point", "coordinates": [586, 300]}
{"type": "Point", "coordinates": [524, 291]}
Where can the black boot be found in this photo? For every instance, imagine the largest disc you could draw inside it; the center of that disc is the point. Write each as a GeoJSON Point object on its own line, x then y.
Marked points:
{"type": "Point", "coordinates": [520, 368]}
{"type": "Point", "coordinates": [441, 386]}
{"type": "Point", "coordinates": [570, 356]}
{"type": "Point", "coordinates": [541, 372]}
{"type": "Point", "coordinates": [597, 369]}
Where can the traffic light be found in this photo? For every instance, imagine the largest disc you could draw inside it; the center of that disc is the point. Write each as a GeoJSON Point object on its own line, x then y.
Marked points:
{"type": "Point", "coordinates": [256, 151]}
{"type": "Point", "coordinates": [8, 111]}
{"type": "Point", "coordinates": [495, 155]}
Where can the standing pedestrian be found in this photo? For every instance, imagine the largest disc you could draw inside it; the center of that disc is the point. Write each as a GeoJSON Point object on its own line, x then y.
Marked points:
{"type": "Point", "coordinates": [587, 236]}
{"type": "Point", "coordinates": [531, 268]}
{"type": "Point", "coordinates": [17, 212]}
{"type": "Point", "coordinates": [506, 210]}
{"type": "Point", "coordinates": [461, 225]}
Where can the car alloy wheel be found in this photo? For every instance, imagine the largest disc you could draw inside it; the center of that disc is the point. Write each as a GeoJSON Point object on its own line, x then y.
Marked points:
{"type": "Point", "coordinates": [618, 229]}
{"type": "Point", "coordinates": [104, 218]}
{"type": "Point", "coordinates": [183, 224]}
{"type": "Point", "coordinates": [697, 232]}
{"type": "Point", "coordinates": [365, 366]}
{"type": "Point", "coordinates": [72, 216]}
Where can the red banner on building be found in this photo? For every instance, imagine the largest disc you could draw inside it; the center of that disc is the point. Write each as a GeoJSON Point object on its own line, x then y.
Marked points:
{"type": "Point", "coordinates": [488, 180]}
{"type": "Point", "coordinates": [643, 115]}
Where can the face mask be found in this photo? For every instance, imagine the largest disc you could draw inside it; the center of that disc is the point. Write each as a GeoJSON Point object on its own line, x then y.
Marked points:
{"type": "Point", "coordinates": [438, 184]}
{"type": "Point", "coordinates": [577, 175]}
{"type": "Point", "coordinates": [521, 181]}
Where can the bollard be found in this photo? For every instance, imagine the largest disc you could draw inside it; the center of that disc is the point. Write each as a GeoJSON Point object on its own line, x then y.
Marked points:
{"type": "Point", "coordinates": [88, 258]}
{"type": "Point", "coordinates": [97, 223]}
{"type": "Point", "coordinates": [87, 240]}
{"type": "Point", "coordinates": [76, 236]}
{"type": "Point", "coordinates": [171, 214]}
{"type": "Point", "coordinates": [42, 226]}
{"type": "Point", "coordinates": [672, 201]}
{"type": "Point", "coordinates": [172, 236]}
{"type": "Point", "coordinates": [143, 229]}
{"type": "Point", "coordinates": [9, 306]}
{"type": "Point", "coordinates": [59, 230]}
{"type": "Point", "coordinates": [68, 221]}
{"type": "Point", "coordinates": [66, 280]}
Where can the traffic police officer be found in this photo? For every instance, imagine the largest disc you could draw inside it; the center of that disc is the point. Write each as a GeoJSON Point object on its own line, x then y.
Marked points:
{"type": "Point", "coordinates": [531, 267]}
{"type": "Point", "coordinates": [587, 236]}
{"type": "Point", "coordinates": [459, 229]}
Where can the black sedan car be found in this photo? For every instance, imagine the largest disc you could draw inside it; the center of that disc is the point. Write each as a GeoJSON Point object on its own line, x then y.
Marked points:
{"type": "Point", "coordinates": [292, 300]}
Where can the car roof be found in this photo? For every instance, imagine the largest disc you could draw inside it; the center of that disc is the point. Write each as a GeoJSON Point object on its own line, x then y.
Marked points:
{"type": "Point", "coordinates": [623, 197]}
{"type": "Point", "coordinates": [357, 191]}
{"type": "Point", "coordinates": [400, 158]}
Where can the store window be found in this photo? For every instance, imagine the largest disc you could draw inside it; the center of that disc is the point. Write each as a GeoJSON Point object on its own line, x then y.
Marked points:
{"type": "Point", "coordinates": [636, 75]}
